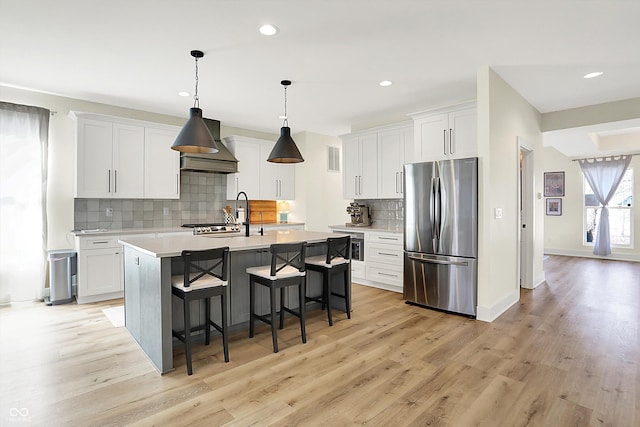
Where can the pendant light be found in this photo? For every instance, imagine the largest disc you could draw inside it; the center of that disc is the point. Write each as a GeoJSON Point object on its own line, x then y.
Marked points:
{"type": "Point", "coordinates": [285, 150]}
{"type": "Point", "coordinates": [195, 136]}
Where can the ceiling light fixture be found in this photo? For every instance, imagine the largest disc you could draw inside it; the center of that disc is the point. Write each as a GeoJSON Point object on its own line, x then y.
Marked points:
{"type": "Point", "coordinates": [386, 83]}
{"type": "Point", "coordinates": [195, 136]}
{"type": "Point", "coordinates": [268, 30]}
{"type": "Point", "coordinates": [285, 150]}
{"type": "Point", "coordinates": [592, 75]}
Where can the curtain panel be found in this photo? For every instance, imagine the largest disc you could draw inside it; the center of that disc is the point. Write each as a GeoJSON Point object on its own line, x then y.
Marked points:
{"type": "Point", "coordinates": [604, 177]}
{"type": "Point", "coordinates": [24, 140]}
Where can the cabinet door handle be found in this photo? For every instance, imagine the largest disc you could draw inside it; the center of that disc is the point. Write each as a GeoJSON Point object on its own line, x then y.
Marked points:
{"type": "Point", "coordinates": [109, 181]}
{"type": "Point", "coordinates": [396, 182]}
{"type": "Point", "coordinates": [450, 140]}
{"type": "Point", "coordinates": [444, 142]}
{"type": "Point", "coordinates": [355, 184]}
{"type": "Point", "coordinates": [388, 275]}
{"type": "Point", "coordinates": [115, 180]}
{"type": "Point", "coordinates": [402, 182]}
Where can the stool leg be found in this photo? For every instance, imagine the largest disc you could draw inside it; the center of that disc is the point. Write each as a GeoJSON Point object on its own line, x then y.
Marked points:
{"type": "Point", "coordinates": [207, 320]}
{"type": "Point", "coordinates": [302, 292]}
{"type": "Point", "coordinates": [252, 298]}
{"type": "Point", "coordinates": [326, 278]}
{"type": "Point", "coordinates": [347, 291]}
{"type": "Point", "coordinates": [282, 292]}
{"type": "Point", "coordinates": [274, 337]}
{"type": "Point", "coordinates": [187, 334]}
{"type": "Point", "coordinates": [225, 338]}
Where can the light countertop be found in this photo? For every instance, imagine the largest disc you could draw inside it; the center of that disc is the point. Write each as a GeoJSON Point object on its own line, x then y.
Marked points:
{"type": "Point", "coordinates": [373, 227]}
{"type": "Point", "coordinates": [170, 246]}
{"type": "Point", "coordinates": [128, 231]}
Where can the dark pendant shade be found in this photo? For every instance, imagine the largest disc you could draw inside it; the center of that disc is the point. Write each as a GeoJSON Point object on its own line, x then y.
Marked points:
{"type": "Point", "coordinates": [195, 136]}
{"type": "Point", "coordinates": [285, 150]}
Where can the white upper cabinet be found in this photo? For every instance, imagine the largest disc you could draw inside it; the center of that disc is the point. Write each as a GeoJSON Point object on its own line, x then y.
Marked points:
{"type": "Point", "coordinates": [395, 148]}
{"type": "Point", "coordinates": [446, 133]}
{"type": "Point", "coordinates": [126, 159]}
{"type": "Point", "coordinates": [258, 178]}
{"type": "Point", "coordinates": [360, 166]}
{"type": "Point", "coordinates": [109, 160]}
{"type": "Point", "coordinates": [161, 164]}
{"type": "Point", "coordinates": [277, 180]}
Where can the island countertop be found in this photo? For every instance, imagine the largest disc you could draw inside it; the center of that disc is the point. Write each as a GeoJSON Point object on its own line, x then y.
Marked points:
{"type": "Point", "coordinates": [171, 246]}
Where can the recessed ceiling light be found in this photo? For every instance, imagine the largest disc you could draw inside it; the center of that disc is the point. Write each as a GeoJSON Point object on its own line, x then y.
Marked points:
{"type": "Point", "coordinates": [592, 75]}
{"type": "Point", "coordinates": [268, 30]}
{"type": "Point", "coordinates": [184, 93]}
{"type": "Point", "coordinates": [385, 83]}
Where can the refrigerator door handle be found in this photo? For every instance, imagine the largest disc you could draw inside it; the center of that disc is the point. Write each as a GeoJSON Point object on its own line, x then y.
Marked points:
{"type": "Point", "coordinates": [438, 261]}
{"type": "Point", "coordinates": [432, 209]}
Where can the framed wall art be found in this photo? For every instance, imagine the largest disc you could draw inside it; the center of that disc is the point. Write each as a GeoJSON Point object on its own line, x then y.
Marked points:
{"type": "Point", "coordinates": [553, 184]}
{"type": "Point", "coordinates": [554, 206]}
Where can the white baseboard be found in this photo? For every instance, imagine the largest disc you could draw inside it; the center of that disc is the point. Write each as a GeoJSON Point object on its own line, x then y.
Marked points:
{"type": "Point", "coordinates": [589, 254]}
{"type": "Point", "coordinates": [378, 285]}
{"type": "Point", "coordinates": [489, 314]}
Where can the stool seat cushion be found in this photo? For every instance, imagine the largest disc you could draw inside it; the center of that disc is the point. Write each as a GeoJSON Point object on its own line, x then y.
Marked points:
{"type": "Point", "coordinates": [204, 282]}
{"type": "Point", "coordinates": [265, 271]}
{"type": "Point", "coordinates": [321, 260]}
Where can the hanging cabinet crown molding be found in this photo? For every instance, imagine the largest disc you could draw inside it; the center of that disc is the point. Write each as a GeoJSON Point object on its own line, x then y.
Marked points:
{"type": "Point", "coordinates": [124, 158]}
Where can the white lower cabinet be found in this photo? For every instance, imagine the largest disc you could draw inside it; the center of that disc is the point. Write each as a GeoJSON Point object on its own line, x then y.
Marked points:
{"type": "Point", "coordinates": [383, 265]}
{"type": "Point", "coordinates": [384, 258]}
{"type": "Point", "coordinates": [99, 269]}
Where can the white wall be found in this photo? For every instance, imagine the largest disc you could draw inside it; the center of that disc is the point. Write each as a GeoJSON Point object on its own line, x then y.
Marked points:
{"type": "Point", "coordinates": [564, 234]}
{"type": "Point", "coordinates": [318, 191]}
{"type": "Point", "coordinates": [503, 117]}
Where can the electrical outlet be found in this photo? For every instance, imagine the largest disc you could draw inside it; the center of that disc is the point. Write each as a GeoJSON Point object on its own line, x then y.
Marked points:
{"type": "Point", "coordinates": [109, 211]}
{"type": "Point", "coordinates": [498, 213]}
{"type": "Point", "coordinates": [165, 211]}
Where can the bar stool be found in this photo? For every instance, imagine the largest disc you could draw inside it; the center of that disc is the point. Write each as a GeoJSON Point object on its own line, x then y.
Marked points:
{"type": "Point", "coordinates": [205, 276]}
{"type": "Point", "coordinates": [336, 260]}
{"type": "Point", "coordinates": [287, 269]}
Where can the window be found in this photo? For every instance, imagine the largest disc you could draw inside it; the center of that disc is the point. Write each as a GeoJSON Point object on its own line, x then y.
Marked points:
{"type": "Point", "coordinates": [620, 213]}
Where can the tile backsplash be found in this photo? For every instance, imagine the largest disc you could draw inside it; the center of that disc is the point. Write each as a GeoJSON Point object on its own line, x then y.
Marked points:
{"type": "Point", "coordinates": [386, 212]}
{"type": "Point", "coordinates": [202, 198]}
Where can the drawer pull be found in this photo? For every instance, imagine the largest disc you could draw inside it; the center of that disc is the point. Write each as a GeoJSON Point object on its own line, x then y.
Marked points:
{"type": "Point", "coordinates": [388, 238]}
{"type": "Point", "coordinates": [388, 275]}
{"type": "Point", "coordinates": [387, 254]}
{"type": "Point", "coordinates": [100, 242]}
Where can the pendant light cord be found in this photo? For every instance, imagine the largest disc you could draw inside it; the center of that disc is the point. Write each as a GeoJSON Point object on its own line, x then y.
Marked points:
{"type": "Point", "coordinates": [196, 99]}
{"type": "Point", "coordinates": [286, 117]}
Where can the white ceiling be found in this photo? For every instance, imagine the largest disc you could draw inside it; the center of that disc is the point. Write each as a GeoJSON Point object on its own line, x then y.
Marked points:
{"type": "Point", "coordinates": [135, 54]}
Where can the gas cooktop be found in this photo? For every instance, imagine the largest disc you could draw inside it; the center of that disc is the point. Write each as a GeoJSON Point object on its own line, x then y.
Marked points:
{"type": "Point", "coordinates": [213, 228]}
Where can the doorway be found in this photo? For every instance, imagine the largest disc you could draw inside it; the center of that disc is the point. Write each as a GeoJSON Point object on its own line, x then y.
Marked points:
{"type": "Point", "coordinates": [526, 224]}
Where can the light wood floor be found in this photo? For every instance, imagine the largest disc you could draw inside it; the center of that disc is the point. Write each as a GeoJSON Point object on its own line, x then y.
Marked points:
{"type": "Point", "coordinates": [567, 354]}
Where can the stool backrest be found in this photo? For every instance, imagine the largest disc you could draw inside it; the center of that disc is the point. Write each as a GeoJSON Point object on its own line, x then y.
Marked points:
{"type": "Point", "coordinates": [287, 254]}
{"type": "Point", "coordinates": [338, 247]}
{"type": "Point", "coordinates": [206, 263]}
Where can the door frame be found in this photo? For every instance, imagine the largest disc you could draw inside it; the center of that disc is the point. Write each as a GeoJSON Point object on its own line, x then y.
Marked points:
{"type": "Point", "coordinates": [526, 215]}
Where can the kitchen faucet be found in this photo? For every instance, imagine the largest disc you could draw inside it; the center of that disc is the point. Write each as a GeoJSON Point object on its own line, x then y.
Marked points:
{"type": "Point", "coordinates": [246, 223]}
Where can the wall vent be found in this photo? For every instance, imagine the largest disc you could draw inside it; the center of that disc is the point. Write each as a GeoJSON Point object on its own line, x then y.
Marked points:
{"type": "Point", "coordinates": [333, 159]}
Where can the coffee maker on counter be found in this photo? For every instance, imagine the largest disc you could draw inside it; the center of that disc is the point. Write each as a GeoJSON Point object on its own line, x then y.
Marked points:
{"type": "Point", "coordinates": [359, 215]}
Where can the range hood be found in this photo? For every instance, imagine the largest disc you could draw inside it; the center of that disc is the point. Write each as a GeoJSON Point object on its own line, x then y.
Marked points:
{"type": "Point", "coordinates": [221, 162]}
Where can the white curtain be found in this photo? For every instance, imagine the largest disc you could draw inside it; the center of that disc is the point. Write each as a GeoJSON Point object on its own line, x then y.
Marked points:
{"type": "Point", "coordinates": [604, 176]}
{"type": "Point", "coordinates": [24, 134]}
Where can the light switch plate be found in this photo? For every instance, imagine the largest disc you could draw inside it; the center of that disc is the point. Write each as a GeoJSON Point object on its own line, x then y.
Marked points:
{"type": "Point", "coordinates": [109, 212]}
{"type": "Point", "coordinates": [498, 213]}
{"type": "Point", "coordinates": [165, 211]}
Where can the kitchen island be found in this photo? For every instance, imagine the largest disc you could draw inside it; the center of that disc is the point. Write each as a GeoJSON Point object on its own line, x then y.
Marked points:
{"type": "Point", "coordinates": [150, 312]}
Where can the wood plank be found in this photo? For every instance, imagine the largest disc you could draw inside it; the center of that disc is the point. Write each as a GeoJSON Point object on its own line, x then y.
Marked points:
{"type": "Point", "coordinates": [566, 354]}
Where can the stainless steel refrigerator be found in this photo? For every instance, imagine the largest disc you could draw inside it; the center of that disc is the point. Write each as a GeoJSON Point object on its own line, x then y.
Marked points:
{"type": "Point", "coordinates": [441, 235]}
